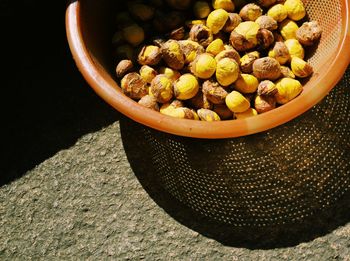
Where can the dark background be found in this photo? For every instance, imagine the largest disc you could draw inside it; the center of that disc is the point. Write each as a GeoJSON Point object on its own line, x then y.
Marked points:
{"type": "Point", "coordinates": [46, 104]}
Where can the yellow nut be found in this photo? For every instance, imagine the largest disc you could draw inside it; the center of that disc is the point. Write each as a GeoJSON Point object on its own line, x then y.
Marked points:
{"type": "Point", "coordinates": [236, 102]}
{"type": "Point", "coordinates": [301, 68]}
{"type": "Point", "coordinates": [208, 115]}
{"type": "Point", "coordinates": [201, 9]}
{"type": "Point", "coordinates": [280, 52]}
{"type": "Point", "coordinates": [264, 104]}
{"type": "Point", "coordinates": [173, 54]}
{"type": "Point", "coordinates": [227, 5]}
{"type": "Point", "coordinates": [216, 47]}
{"type": "Point", "coordinates": [278, 12]}
{"type": "Point", "coordinates": [246, 83]}
{"type": "Point", "coordinates": [223, 112]}
{"type": "Point", "coordinates": [178, 112]}
{"type": "Point", "coordinates": [247, 61]}
{"type": "Point", "coordinates": [287, 73]}
{"type": "Point", "coordinates": [288, 29]}
{"type": "Point", "coordinates": [148, 73]}
{"type": "Point", "coordinates": [191, 50]}
{"type": "Point", "coordinates": [162, 88]}
{"type": "Point", "coordinates": [134, 34]}
{"type": "Point", "coordinates": [150, 55]}
{"type": "Point", "coordinates": [217, 20]}
{"type": "Point", "coordinates": [227, 71]}
{"type": "Point", "coordinates": [296, 9]}
{"type": "Point", "coordinates": [149, 102]}
{"type": "Point", "coordinates": [204, 66]}
{"type": "Point", "coordinates": [246, 114]}
{"type": "Point", "coordinates": [287, 90]}
{"type": "Point", "coordinates": [170, 73]}
{"type": "Point", "coordinates": [250, 12]}
{"type": "Point", "coordinates": [186, 87]}
{"type": "Point", "coordinates": [244, 37]}
{"type": "Point", "coordinates": [133, 86]}
{"type": "Point", "coordinates": [191, 23]}
{"type": "Point", "coordinates": [295, 48]}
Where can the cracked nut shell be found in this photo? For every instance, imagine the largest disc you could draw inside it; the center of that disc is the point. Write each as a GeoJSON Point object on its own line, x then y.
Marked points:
{"type": "Point", "coordinates": [267, 69]}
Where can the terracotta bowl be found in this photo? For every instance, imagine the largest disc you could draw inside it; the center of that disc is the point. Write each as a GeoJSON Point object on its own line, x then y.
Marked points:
{"type": "Point", "coordinates": [89, 30]}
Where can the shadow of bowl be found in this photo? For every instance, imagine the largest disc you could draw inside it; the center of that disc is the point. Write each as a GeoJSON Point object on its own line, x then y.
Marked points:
{"type": "Point", "coordinates": [273, 189]}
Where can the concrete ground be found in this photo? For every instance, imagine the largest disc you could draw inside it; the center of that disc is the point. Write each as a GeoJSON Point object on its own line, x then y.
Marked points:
{"type": "Point", "coordinates": [68, 191]}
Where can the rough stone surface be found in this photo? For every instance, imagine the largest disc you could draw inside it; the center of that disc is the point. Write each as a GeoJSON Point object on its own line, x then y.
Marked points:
{"type": "Point", "coordinates": [86, 203]}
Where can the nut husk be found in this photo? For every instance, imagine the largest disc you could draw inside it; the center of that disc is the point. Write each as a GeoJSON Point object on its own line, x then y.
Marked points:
{"type": "Point", "coordinates": [231, 53]}
{"type": "Point", "coordinates": [267, 69]}
{"type": "Point", "coordinates": [250, 12]}
{"type": "Point", "coordinates": [223, 112]}
{"type": "Point", "coordinates": [267, 22]}
{"type": "Point", "coordinates": [201, 34]}
{"type": "Point", "coordinates": [134, 86]}
{"type": "Point", "coordinates": [191, 50]}
{"type": "Point", "coordinates": [214, 92]}
{"type": "Point", "coordinates": [200, 101]}
{"type": "Point", "coordinates": [247, 61]}
{"type": "Point", "coordinates": [267, 88]}
{"type": "Point", "coordinates": [266, 3]}
{"type": "Point", "coordinates": [162, 88]}
{"type": "Point", "coordinates": [244, 36]}
{"type": "Point", "coordinates": [124, 67]}
{"type": "Point", "coordinates": [280, 52]}
{"type": "Point", "coordinates": [149, 102]}
{"type": "Point", "coordinates": [309, 33]}
{"type": "Point", "coordinates": [287, 73]}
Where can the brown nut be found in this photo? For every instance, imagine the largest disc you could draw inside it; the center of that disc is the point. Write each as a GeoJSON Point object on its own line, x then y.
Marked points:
{"type": "Point", "coordinates": [247, 61]}
{"type": "Point", "coordinates": [200, 101]}
{"type": "Point", "coordinates": [309, 33]}
{"type": "Point", "coordinates": [179, 4]}
{"type": "Point", "coordinates": [162, 88]}
{"type": "Point", "coordinates": [231, 53]}
{"type": "Point", "coordinates": [214, 92]}
{"type": "Point", "coordinates": [280, 52]}
{"type": "Point", "coordinates": [278, 37]}
{"type": "Point", "coordinates": [177, 34]}
{"type": "Point", "coordinates": [264, 104]}
{"type": "Point", "coordinates": [223, 112]}
{"type": "Point", "coordinates": [149, 55]}
{"type": "Point", "coordinates": [267, 22]}
{"type": "Point", "coordinates": [232, 22]}
{"type": "Point", "coordinates": [266, 3]}
{"type": "Point", "coordinates": [124, 67]}
{"type": "Point", "coordinates": [173, 55]}
{"type": "Point", "coordinates": [141, 11]}
{"type": "Point", "coordinates": [201, 34]}
{"type": "Point", "coordinates": [134, 86]}
{"type": "Point", "coordinates": [149, 102]}
{"type": "Point", "coordinates": [267, 69]}
{"type": "Point", "coordinates": [265, 38]}
{"type": "Point", "coordinates": [250, 12]}
{"type": "Point", "coordinates": [267, 88]}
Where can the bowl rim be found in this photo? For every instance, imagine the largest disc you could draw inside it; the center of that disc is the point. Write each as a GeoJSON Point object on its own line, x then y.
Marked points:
{"type": "Point", "coordinates": [109, 90]}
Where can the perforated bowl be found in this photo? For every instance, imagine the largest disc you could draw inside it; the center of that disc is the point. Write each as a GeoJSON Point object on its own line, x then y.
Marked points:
{"type": "Point", "coordinates": [89, 30]}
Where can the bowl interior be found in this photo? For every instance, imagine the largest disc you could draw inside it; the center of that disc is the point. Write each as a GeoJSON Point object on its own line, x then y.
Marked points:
{"type": "Point", "coordinates": [96, 21]}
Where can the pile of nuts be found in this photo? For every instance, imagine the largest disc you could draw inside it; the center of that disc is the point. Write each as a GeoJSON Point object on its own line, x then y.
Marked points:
{"type": "Point", "coordinates": [201, 60]}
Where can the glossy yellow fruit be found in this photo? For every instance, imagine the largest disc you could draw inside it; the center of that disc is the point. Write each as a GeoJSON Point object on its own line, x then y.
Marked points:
{"type": "Point", "coordinates": [236, 102]}
{"type": "Point", "coordinates": [227, 71]}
